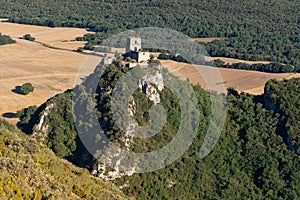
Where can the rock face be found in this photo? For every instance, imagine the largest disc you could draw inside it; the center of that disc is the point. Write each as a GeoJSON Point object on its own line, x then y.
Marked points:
{"type": "Point", "coordinates": [145, 84]}
{"type": "Point", "coordinates": [150, 85]}
{"type": "Point", "coordinates": [41, 129]}
{"type": "Point", "coordinates": [156, 79]}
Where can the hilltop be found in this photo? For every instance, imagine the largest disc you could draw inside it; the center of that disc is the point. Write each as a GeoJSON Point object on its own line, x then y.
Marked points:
{"type": "Point", "coordinates": [257, 155]}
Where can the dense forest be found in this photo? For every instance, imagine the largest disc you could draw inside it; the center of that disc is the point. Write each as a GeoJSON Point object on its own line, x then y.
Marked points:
{"type": "Point", "coordinates": [5, 39]}
{"type": "Point", "coordinates": [254, 30]}
{"type": "Point", "coordinates": [270, 68]}
{"type": "Point", "coordinates": [283, 98]}
{"type": "Point", "coordinates": [257, 156]}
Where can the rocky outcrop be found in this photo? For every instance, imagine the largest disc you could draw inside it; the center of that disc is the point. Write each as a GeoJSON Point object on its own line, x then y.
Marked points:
{"type": "Point", "coordinates": [41, 129]}
{"type": "Point", "coordinates": [112, 158]}
{"type": "Point", "coordinates": [146, 84]}
{"type": "Point", "coordinates": [156, 79]}
{"type": "Point", "coordinates": [150, 85]}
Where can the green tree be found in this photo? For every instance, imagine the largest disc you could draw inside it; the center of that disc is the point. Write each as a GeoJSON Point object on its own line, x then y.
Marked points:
{"type": "Point", "coordinates": [28, 37]}
{"type": "Point", "coordinates": [5, 39]}
{"type": "Point", "coordinates": [26, 88]}
{"type": "Point", "coordinates": [219, 63]}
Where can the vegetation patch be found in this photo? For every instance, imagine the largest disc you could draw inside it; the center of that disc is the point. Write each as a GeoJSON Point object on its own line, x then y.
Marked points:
{"type": "Point", "coordinates": [5, 39]}
{"type": "Point", "coordinates": [26, 88]}
{"type": "Point", "coordinates": [28, 37]}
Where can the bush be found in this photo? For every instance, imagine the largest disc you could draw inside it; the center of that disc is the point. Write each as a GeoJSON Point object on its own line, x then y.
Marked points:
{"type": "Point", "coordinates": [26, 88]}
{"type": "Point", "coordinates": [80, 49]}
{"type": "Point", "coordinates": [155, 62]}
{"type": "Point", "coordinates": [28, 37]}
{"type": "Point", "coordinates": [219, 63]}
{"type": "Point", "coordinates": [5, 39]}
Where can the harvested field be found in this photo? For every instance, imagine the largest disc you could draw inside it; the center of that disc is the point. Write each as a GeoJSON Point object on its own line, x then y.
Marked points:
{"type": "Point", "coordinates": [207, 40]}
{"type": "Point", "coordinates": [50, 71]}
{"type": "Point", "coordinates": [243, 80]}
{"type": "Point", "coordinates": [232, 60]}
{"type": "Point", "coordinates": [56, 37]}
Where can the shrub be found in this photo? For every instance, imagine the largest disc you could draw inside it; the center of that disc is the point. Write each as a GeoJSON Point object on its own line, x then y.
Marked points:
{"type": "Point", "coordinates": [5, 39]}
{"type": "Point", "coordinates": [28, 37]}
{"type": "Point", "coordinates": [80, 49]}
{"type": "Point", "coordinates": [26, 88]}
{"type": "Point", "coordinates": [219, 63]}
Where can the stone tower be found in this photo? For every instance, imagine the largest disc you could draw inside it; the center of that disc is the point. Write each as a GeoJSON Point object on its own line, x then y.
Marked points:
{"type": "Point", "coordinates": [133, 44]}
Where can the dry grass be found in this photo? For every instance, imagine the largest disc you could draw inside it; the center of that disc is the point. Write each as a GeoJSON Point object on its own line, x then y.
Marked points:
{"type": "Point", "coordinates": [50, 71]}
{"type": "Point", "coordinates": [232, 60]}
{"type": "Point", "coordinates": [207, 40]}
{"type": "Point", "coordinates": [244, 81]}
{"type": "Point", "coordinates": [53, 71]}
{"type": "Point", "coordinates": [32, 171]}
{"type": "Point", "coordinates": [56, 37]}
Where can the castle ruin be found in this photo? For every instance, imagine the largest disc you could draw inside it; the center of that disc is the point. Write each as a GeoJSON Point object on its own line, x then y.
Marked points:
{"type": "Point", "coordinates": [134, 50]}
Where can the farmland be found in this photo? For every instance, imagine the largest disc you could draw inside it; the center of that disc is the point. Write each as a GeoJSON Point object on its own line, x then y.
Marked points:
{"type": "Point", "coordinates": [243, 80]}
{"type": "Point", "coordinates": [52, 71]}
{"type": "Point", "coordinates": [56, 37]}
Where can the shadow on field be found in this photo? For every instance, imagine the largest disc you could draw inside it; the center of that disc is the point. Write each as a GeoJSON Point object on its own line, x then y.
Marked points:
{"type": "Point", "coordinates": [17, 90]}
{"type": "Point", "coordinates": [9, 115]}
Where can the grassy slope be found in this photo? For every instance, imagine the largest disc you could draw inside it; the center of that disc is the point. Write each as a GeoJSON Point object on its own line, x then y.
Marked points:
{"type": "Point", "coordinates": [29, 170]}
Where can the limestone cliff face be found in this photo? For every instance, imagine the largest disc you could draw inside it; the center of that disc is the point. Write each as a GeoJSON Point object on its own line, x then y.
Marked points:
{"type": "Point", "coordinates": [40, 130]}
{"type": "Point", "coordinates": [150, 85]}
{"type": "Point", "coordinates": [151, 92]}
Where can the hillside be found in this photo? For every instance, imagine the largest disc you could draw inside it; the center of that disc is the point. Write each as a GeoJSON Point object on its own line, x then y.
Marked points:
{"type": "Point", "coordinates": [288, 107]}
{"type": "Point", "coordinates": [253, 159]}
{"type": "Point", "coordinates": [141, 132]}
{"type": "Point", "coordinates": [29, 170]}
{"type": "Point", "coordinates": [51, 71]}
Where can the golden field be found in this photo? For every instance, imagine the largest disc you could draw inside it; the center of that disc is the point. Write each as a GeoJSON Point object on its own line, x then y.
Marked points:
{"type": "Point", "coordinates": [252, 82]}
{"type": "Point", "coordinates": [53, 71]}
{"type": "Point", "coordinates": [56, 37]}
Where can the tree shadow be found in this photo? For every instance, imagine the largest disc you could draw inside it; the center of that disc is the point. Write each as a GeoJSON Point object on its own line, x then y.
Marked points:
{"type": "Point", "coordinates": [9, 115]}
{"type": "Point", "coordinates": [17, 90]}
